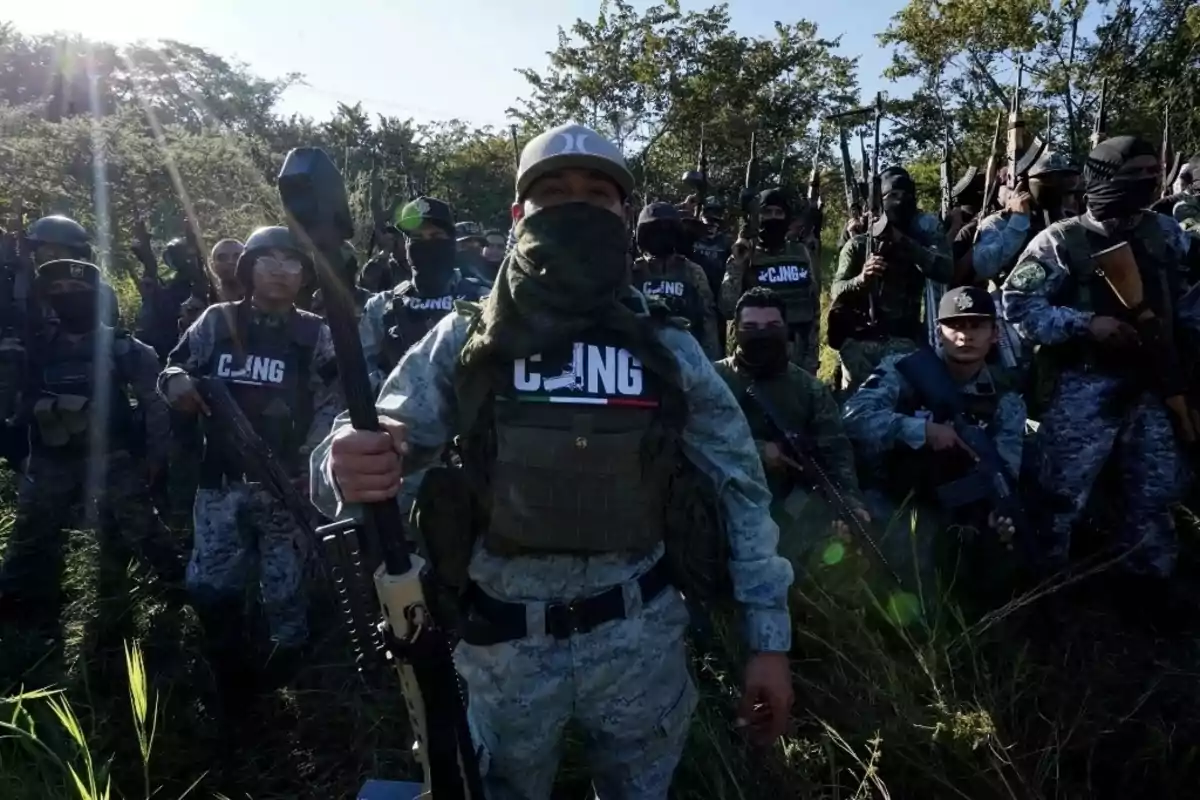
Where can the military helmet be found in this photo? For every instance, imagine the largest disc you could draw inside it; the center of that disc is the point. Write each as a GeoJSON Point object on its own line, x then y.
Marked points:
{"type": "Point", "coordinates": [176, 250]}
{"type": "Point", "coordinates": [271, 237]}
{"type": "Point", "coordinates": [1051, 161]}
{"type": "Point", "coordinates": [64, 269]}
{"type": "Point", "coordinates": [568, 146]}
{"type": "Point", "coordinates": [62, 231]}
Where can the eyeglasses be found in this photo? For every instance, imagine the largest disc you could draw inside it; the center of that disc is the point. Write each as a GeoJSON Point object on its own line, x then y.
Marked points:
{"type": "Point", "coordinates": [291, 266]}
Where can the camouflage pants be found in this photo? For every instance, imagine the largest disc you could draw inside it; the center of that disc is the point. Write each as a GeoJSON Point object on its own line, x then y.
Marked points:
{"type": "Point", "coordinates": [860, 357]}
{"type": "Point", "coordinates": [50, 493]}
{"type": "Point", "coordinates": [235, 528]}
{"type": "Point", "coordinates": [626, 683]}
{"type": "Point", "coordinates": [1080, 432]}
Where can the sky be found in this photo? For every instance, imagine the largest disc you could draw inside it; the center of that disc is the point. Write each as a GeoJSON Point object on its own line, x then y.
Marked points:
{"type": "Point", "coordinates": [425, 60]}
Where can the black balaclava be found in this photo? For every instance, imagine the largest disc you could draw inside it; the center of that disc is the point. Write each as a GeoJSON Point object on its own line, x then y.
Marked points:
{"type": "Point", "coordinates": [762, 352]}
{"type": "Point", "coordinates": [900, 210]}
{"type": "Point", "coordinates": [432, 263]}
{"type": "Point", "coordinates": [1111, 195]}
{"type": "Point", "coordinates": [773, 232]}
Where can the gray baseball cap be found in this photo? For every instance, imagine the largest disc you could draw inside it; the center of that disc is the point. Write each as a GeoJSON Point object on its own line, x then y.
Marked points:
{"type": "Point", "coordinates": [570, 146]}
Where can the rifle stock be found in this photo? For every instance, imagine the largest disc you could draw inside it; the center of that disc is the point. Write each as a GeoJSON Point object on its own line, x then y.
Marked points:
{"type": "Point", "coordinates": [376, 551]}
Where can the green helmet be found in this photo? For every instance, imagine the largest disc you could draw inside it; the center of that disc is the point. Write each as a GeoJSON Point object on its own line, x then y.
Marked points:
{"type": "Point", "coordinates": [571, 146]}
{"type": "Point", "coordinates": [273, 237]}
{"type": "Point", "coordinates": [62, 231]}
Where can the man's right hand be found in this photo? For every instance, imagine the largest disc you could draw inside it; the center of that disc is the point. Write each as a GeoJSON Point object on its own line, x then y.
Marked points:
{"type": "Point", "coordinates": [939, 436]}
{"type": "Point", "coordinates": [1111, 330]}
{"type": "Point", "coordinates": [1019, 203]}
{"type": "Point", "coordinates": [182, 395]}
{"type": "Point", "coordinates": [772, 456]}
{"type": "Point", "coordinates": [875, 267]}
{"type": "Point", "coordinates": [366, 464]}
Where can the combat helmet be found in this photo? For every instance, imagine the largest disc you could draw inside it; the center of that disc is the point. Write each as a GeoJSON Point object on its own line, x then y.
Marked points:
{"type": "Point", "coordinates": [272, 237]}
{"type": "Point", "coordinates": [1051, 161]}
{"type": "Point", "coordinates": [63, 232]}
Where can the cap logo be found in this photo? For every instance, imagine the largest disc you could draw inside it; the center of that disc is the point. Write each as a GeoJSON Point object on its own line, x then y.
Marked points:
{"type": "Point", "coordinates": [76, 271]}
{"type": "Point", "coordinates": [423, 207]}
{"type": "Point", "coordinates": [964, 302]}
{"type": "Point", "coordinates": [574, 143]}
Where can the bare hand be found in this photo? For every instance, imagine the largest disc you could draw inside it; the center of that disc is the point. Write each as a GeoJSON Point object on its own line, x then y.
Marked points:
{"type": "Point", "coordinates": [182, 395]}
{"type": "Point", "coordinates": [741, 251]}
{"type": "Point", "coordinates": [1112, 330]}
{"type": "Point", "coordinates": [366, 464]}
{"type": "Point", "coordinates": [939, 436]}
{"type": "Point", "coordinates": [1004, 528]}
{"type": "Point", "coordinates": [842, 531]}
{"type": "Point", "coordinates": [772, 456]}
{"type": "Point", "coordinates": [1019, 203]}
{"type": "Point", "coordinates": [767, 698]}
{"type": "Point", "coordinates": [875, 267]}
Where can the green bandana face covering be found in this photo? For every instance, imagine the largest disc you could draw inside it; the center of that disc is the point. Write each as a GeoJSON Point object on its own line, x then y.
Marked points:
{"type": "Point", "coordinates": [569, 258]}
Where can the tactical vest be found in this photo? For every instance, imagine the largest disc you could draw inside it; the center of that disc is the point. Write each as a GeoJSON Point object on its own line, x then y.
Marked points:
{"type": "Point", "coordinates": [573, 448]}
{"type": "Point", "coordinates": [782, 392]}
{"type": "Point", "coordinates": [791, 278]}
{"type": "Point", "coordinates": [66, 393]}
{"type": "Point", "coordinates": [267, 369]}
{"type": "Point", "coordinates": [675, 289]}
{"type": "Point", "coordinates": [923, 471]}
{"type": "Point", "coordinates": [409, 316]}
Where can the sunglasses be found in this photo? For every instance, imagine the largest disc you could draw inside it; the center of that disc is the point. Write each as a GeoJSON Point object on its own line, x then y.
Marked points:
{"type": "Point", "coordinates": [291, 266]}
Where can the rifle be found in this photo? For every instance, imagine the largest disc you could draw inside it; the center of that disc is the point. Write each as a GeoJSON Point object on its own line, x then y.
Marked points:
{"type": "Point", "coordinates": [945, 181]}
{"type": "Point", "coordinates": [144, 251]}
{"type": "Point", "coordinates": [1100, 129]}
{"type": "Point", "coordinates": [864, 182]}
{"type": "Point", "coordinates": [814, 178]}
{"type": "Point", "coordinates": [852, 197]}
{"type": "Point", "coordinates": [989, 480]}
{"type": "Point", "coordinates": [1022, 151]}
{"type": "Point", "coordinates": [375, 551]}
{"type": "Point", "coordinates": [15, 333]}
{"type": "Point", "coordinates": [697, 178]}
{"type": "Point", "coordinates": [749, 199]}
{"type": "Point", "coordinates": [512, 131]}
{"type": "Point", "coordinates": [1171, 161]}
{"type": "Point", "coordinates": [251, 454]}
{"type": "Point", "coordinates": [796, 455]}
{"type": "Point", "coordinates": [1119, 268]}
{"type": "Point", "coordinates": [991, 178]}
{"type": "Point", "coordinates": [201, 288]}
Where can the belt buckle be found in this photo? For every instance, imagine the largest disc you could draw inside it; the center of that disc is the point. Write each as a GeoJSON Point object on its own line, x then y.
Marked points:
{"type": "Point", "coordinates": [564, 619]}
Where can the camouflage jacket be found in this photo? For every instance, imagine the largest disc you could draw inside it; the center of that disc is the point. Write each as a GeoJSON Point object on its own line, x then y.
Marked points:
{"type": "Point", "coordinates": [1001, 238]}
{"type": "Point", "coordinates": [735, 283]}
{"type": "Point", "coordinates": [813, 412]}
{"type": "Point", "coordinates": [1187, 214]}
{"type": "Point", "coordinates": [195, 349]}
{"type": "Point", "coordinates": [420, 393]}
{"type": "Point", "coordinates": [876, 423]}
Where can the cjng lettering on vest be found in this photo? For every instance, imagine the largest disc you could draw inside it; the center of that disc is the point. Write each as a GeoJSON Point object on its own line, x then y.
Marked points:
{"type": "Point", "coordinates": [659, 288]}
{"type": "Point", "coordinates": [593, 370]}
{"type": "Point", "coordinates": [257, 369]}
{"type": "Point", "coordinates": [429, 303]}
{"type": "Point", "coordinates": [784, 273]}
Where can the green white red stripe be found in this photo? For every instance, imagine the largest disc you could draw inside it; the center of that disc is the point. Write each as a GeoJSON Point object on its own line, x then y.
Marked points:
{"type": "Point", "coordinates": [576, 400]}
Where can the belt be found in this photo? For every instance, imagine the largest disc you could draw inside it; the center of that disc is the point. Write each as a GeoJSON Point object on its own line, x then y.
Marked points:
{"type": "Point", "coordinates": [490, 621]}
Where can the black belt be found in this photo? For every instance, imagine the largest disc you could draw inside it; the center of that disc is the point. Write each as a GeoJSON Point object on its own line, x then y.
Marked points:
{"type": "Point", "coordinates": [490, 621]}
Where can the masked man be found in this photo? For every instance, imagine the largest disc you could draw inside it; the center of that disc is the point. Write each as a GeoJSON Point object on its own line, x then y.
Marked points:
{"type": "Point", "coordinates": [558, 389]}
{"type": "Point", "coordinates": [392, 322]}
{"type": "Point", "coordinates": [761, 361]}
{"type": "Point", "coordinates": [663, 273]}
{"type": "Point", "coordinates": [278, 364]}
{"type": "Point", "coordinates": [83, 425]}
{"type": "Point", "coordinates": [1107, 362]}
{"type": "Point", "coordinates": [880, 290]}
{"type": "Point", "coordinates": [783, 266]}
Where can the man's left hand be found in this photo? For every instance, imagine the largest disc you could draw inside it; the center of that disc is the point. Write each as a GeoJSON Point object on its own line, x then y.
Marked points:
{"type": "Point", "coordinates": [1004, 528]}
{"type": "Point", "coordinates": [767, 698]}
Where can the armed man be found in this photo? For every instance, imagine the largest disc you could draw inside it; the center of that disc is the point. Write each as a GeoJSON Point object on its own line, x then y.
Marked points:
{"type": "Point", "coordinates": [663, 273]}
{"type": "Point", "coordinates": [223, 286]}
{"type": "Point", "coordinates": [162, 302]}
{"type": "Point", "coordinates": [879, 288]}
{"type": "Point", "coordinates": [575, 395]}
{"type": "Point", "coordinates": [392, 322]}
{"type": "Point", "coordinates": [783, 266]}
{"type": "Point", "coordinates": [56, 237]}
{"type": "Point", "coordinates": [386, 267]}
{"type": "Point", "coordinates": [712, 250]}
{"type": "Point", "coordinates": [493, 255]}
{"type": "Point", "coordinates": [82, 429]}
{"type": "Point", "coordinates": [1112, 366]}
{"type": "Point", "coordinates": [760, 360]}
{"type": "Point", "coordinates": [908, 441]}
{"type": "Point", "coordinates": [278, 363]}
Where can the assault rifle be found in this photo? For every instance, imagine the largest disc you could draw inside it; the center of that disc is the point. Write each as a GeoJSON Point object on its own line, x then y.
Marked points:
{"type": "Point", "coordinates": [1100, 129]}
{"type": "Point", "coordinates": [1171, 160]}
{"type": "Point", "coordinates": [512, 131]}
{"type": "Point", "coordinates": [989, 481]}
{"type": "Point", "coordinates": [991, 178]}
{"type": "Point", "coordinates": [749, 198]}
{"type": "Point", "coordinates": [945, 182]}
{"type": "Point", "coordinates": [851, 185]}
{"type": "Point", "coordinates": [816, 215]}
{"type": "Point", "coordinates": [375, 551]}
{"type": "Point", "coordinates": [697, 178]}
{"type": "Point", "coordinates": [796, 455]}
{"type": "Point", "coordinates": [144, 251]}
{"type": "Point", "coordinates": [251, 454]}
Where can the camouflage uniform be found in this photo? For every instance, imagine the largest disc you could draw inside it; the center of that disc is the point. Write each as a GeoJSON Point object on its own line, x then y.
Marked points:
{"type": "Point", "coordinates": [627, 680]}
{"type": "Point", "coordinates": [393, 321]}
{"type": "Point", "coordinates": [790, 273]}
{"type": "Point", "coordinates": [683, 287]}
{"type": "Point", "coordinates": [1187, 214]}
{"type": "Point", "coordinates": [900, 298]}
{"type": "Point", "coordinates": [1002, 237]}
{"type": "Point", "coordinates": [236, 521]}
{"type": "Point", "coordinates": [1103, 404]}
{"type": "Point", "coordinates": [63, 470]}
{"type": "Point", "coordinates": [812, 412]}
{"type": "Point", "coordinates": [885, 421]}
